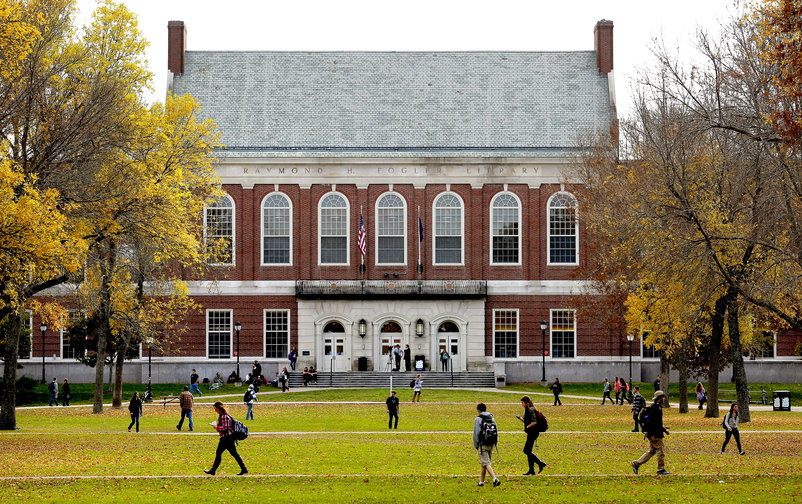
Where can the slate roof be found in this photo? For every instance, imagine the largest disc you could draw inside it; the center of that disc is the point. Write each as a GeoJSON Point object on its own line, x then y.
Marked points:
{"type": "Point", "coordinates": [398, 103]}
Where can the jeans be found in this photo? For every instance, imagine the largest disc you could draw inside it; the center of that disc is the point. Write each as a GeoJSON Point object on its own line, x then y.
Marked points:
{"type": "Point", "coordinates": [393, 414]}
{"type": "Point", "coordinates": [187, 414]}
{"type": "Point", "coordinates": [193, 388]}
{"type": "Point", "coordinates": [249, 414]}
{"type": "Point", "coordinates": [557, 400]}
{"type": "Point", "coordinates": [134, 420]}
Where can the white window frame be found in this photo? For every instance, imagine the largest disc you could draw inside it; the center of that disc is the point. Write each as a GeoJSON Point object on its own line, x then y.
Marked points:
{"type": "Point", "coordinates": [520, 227]}
{"type": "Point", "coordinates": [378, 235]}
{"type": "Point", "coordinates": [562, 194]}
{"type": "Point", "coordinates": [264, 333]}
{"type": "Point", "coordinates": [552, 324]}
{"type": "Point", "coordinates": [233, 209]}
{"type": "Point", "coordinates": [347, 227]}
{"type": "Point", "coordinates": [517, 331]}
{"type": "Point", "coordinates": [230, 333]}
{"type": "Point", "coordinates": [263, 235]}
{"type": "Point", "coordinates": [435, 228]}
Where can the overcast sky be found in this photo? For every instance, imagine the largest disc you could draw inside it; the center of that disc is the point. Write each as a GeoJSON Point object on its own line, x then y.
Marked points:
{"type": "Point", "coordinates": [418, 25]}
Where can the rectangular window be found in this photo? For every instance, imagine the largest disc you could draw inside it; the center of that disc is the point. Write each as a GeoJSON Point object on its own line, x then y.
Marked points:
{"type": "Point", "coordinates": [277, 334]}
{"type": "Point", "coordinates": [218, 334]}
{"type": "Point", "coordinates": [648, 351]}
{"type": "Point", "coordinates": [767, 348]}
{"type": "Point", "coordinates": [333, 233]}
{"type": "Point", "coordinates": [505, 235]}
{"type": "Point", "coordinates": [220, 234]}
{"type": "Point", "coordinates": [505, 333]}
{"type": "Point", "coordinates": [563, 334]}
{"type": "Point", "coordinates": [391, 236]}
{"type": "Point", "coordinates": [277, 236]}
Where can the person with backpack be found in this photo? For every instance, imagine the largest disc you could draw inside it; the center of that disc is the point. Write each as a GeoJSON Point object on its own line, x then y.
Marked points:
{"type": "Point", "coordinates": [730, 425]}
{"type": "Point", "coordinates": [622, 384]}
{"type": "Point", "coordinates": [444, 359]}
{"type": "Point", "coordinates": [227, 441]}
{"type": "Point", "coordinates": [607, 389]}
{"type": "Point", "coordinates": [485, 437]}
{"type": "Point", "coordinates": [416, 387]}
{"type": "Point", "coordinates": [638, 403]}
{"type": "Point", "coordinates": [532, 430]}
{"type": "Point", "coordinates": [617, 389]}
{"type": "Point", "coordinates": [701, 395]}
{"type": "Point", "coordinates": [557, 389]}
{"type": "Point", "coordinates": [284, 379]}
{"type": "Point", "coordinates": [249, 398]}
{"type": "Point", "coordinates": [651, 418]}
{"type": "Point", "coordinates": [293, 358]}
{"type": "Point", "coordinates": [186, 400]}
{"type": "Point", "coordinates": [65, 393]}
{"type": "Point", "coordinates": [53, 389]}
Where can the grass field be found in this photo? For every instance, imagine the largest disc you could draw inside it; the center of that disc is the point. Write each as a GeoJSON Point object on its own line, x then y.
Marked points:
{"type": "Point", "coordinates": [333, 446]}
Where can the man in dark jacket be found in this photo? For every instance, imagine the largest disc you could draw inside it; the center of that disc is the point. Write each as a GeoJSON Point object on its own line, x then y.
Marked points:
{"type": "Point", "coordinates": [638, 403]}
{"type": "Point", "coordinates": [654, 433]}
{"type": "Point", "coordinates": [557, 389]}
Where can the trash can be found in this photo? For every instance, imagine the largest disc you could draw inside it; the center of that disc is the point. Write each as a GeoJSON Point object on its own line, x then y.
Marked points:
{"type": "Point", "coordinates": [420, 362]}
{"type": "Point", "coordinates": [782, 400]}
{"type": "Point", "coordinates": [362, 364]}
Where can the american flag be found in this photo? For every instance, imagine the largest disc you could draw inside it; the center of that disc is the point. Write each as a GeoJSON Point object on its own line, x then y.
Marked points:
{"type": "Point", "coordinates": [361, 237]}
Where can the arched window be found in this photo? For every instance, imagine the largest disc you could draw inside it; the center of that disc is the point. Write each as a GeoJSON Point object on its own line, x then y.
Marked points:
{"type": "Point", "coordinates": [391, 327]}
{"type": "Point", "coordinates": [563, 234]}
{"type": "Point", "coordinates": [448, 327]}
{"type": "Point", "coordinates": [505, 236]}
{"type": "Point", "coordinates": [218, 225]}
{"type": "Point", "coordinates": [391, 230]}
{"type": "Point", "coordinates": [276, 229]}
{"type": "Point", "coordinates": [333, 327]}
{"type": "Point", "coordinates": [448, 229]}
{"type": "Point", "coordinates": [333, 229]}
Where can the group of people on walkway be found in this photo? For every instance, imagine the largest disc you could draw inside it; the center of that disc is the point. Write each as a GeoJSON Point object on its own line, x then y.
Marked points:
{"type": "Point", "coordinates": [52, 387]}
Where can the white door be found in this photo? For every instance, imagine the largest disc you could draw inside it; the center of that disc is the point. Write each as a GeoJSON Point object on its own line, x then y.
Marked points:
{"type": "Point", "coordinates": [448, 339]}
{"type": "Point", "coordinates": [334, 356]}
{"type": "Point", "coordinates": [388, 341]}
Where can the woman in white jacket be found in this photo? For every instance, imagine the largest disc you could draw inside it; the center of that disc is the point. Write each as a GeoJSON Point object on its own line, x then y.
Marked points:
{"type": "Point", "coordinates": [731, 424]}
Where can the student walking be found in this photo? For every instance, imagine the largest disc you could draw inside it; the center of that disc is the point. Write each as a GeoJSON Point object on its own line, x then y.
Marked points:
{"type": "Point", "coordinates": [622, 384]}
{"type": "Point", "coordinates": [416, 388]}
{"type": "Point", "coordinates": [483, 445]}
{"type": "Point", "coordinates": [194, 382]}
{"type": "Point", "coordinates": [249, 398]}
{"type": "Point", "coordinates": [65, 393]}
{"type": "Point", "coordinates": [730, 423]}
{"type": "Point", "coordinates": [654, 433]}
{"type": "Point", "coordinates": [135, 409]}
{"type": "Point", "coordinates": [532, 430]}
{"type": "Point", "coordinates": [53, 389]}
{"type": "Point", "coordinates": [186, 400]}
{"type": "Point", "coordinates": [393, 406]}
{"type": "Point", "coordinates": [225, 427]}
{"type": "Point", "coordinates": [557, 389]}
{"type": "Point", "coordinates": [607, 389]}
{"type": "Point", "coordinates": [638, 403]}
{"type": "Point", "coordinates": [617, 389]}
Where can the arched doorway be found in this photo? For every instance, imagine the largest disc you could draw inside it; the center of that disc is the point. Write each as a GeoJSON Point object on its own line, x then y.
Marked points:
{"type": "Point", "coordinates": [448, 334]}
{"type": "Point", "coordinates": [333, 358]}
{"type": "Point", "coordinates": [390, 335]}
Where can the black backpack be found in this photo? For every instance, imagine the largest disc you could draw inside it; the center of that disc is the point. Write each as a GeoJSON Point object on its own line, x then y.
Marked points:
{"type": "Point", "coordinates": [247, 396]}
{"type": "Point", "coordinates": [412, 383]}
{"type": "Point", "coordinates": [240, 430]}
{"type": "Point", "coordinates": [51, 387]}
{"type": "Point", "coordinates": [488, 433]}
{"type": "Point", "coordinates": [646, 418]}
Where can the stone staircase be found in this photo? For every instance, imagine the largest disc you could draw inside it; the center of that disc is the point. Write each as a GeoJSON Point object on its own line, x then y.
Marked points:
{"type": "Point", "coordinates": [379, 379]}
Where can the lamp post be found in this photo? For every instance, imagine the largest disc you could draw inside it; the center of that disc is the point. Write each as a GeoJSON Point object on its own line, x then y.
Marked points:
{"type": "Point", "coordinates": [543, 326]}
{"type": "Point", "coordinates": [630, 338]}
{"type": "Point", "coordinates": [149, 392]}
{"type": "Point", "coordinates": [43, 328]}
{"type": "Point", "coordinates": [237, 327]}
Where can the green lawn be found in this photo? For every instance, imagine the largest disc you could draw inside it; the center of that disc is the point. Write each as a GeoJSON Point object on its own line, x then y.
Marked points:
{"type": "Point", "coordinates": [333, 446]}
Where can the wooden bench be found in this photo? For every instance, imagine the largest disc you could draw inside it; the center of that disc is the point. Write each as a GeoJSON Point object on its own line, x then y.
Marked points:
{"type": "Point", "coordinates": [168, 399]}
{"type": "Point", "coordinates": [755, 397]}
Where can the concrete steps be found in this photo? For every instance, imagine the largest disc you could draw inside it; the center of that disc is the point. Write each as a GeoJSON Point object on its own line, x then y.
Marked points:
{"type": "Point", "coordinates": [378, 379]}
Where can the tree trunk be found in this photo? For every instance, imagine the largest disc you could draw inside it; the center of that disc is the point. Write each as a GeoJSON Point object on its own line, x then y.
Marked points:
{"type": "Point", "coordinates": [665, 371]}
{"type": "Point", "coordinates": [716, 335]}
{"type": "Point", "coordinates": [682, 367]}
{"type": "Point", "coordinates": [8, 400]}
{"type": "Point", "coordinates": [738, 371]}
{"type": "Point", "coordinates": [117, 400]}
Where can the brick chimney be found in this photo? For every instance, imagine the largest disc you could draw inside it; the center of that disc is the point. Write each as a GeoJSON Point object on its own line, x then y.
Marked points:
{"type": "Point", "coordinates": [603, 44]}
{"type": "Point", "coordinates": [176, 46]}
